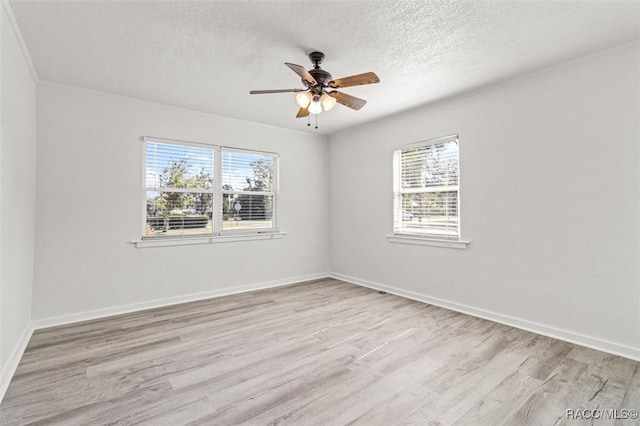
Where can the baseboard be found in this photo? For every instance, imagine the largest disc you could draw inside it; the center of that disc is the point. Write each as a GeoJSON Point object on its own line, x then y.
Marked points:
{"type": "Point", "coordinates": [534, 327]}
{"type": "Point", "coordinates": [158, 303]}
{"type": "Point", "coordinates": [9, 368]}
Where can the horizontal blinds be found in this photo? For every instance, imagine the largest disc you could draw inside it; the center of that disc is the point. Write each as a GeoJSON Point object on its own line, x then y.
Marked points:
{"type": "Point", "coordinates": [426, 189]}
{"type": "Point", "coordinates": [248, 182]}
{"type": "Point", "coordinates": [430, 166]}
{"type": "Point", "coordinates": [178, 167]}
{"type": "Point", "coordinates": [247, 211]}
{"type": "Point", "coordinates": [247, 171]}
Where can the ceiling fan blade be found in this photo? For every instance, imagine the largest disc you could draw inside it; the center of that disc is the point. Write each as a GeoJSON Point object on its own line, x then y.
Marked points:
{"type": "Point", "coordinates": [355, 80]}
{"type": "Point", "coordinates": [303, 112]}
{"type": "Point", "coordinates": [262, 92]}
{"type": "Point", "coordinates": [348, 100]}
{"type": "Point", "coordinates": [303, 73]}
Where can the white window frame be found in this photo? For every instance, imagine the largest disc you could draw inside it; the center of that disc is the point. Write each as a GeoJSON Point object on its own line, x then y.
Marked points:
{"type": "Point", "coordinates": [217, 234]}
{"type": "Point", "coordinates": [403, 235]}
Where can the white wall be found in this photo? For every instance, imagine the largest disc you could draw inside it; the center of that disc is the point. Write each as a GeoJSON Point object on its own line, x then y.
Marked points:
{"type": "Point", "coordinates": [550, 195]}
{"type": "Point", "coordinates": [90, 206]}
{"type": "Point", "coordinates": [18, 199]}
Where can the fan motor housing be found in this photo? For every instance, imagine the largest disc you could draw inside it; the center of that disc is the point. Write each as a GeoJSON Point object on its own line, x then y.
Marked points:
{"type": "Point", "coordinates": [321, 76]}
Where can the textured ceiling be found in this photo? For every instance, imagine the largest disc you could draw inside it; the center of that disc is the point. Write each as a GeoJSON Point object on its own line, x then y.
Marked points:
{"type": "Point", "coordinates": [207, 55]}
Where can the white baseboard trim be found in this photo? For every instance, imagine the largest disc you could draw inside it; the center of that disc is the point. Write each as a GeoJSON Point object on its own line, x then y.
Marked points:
{"type": "Point", "coordinates": [134, 307]}
{"type": "Point", "coordinates": [9, 368]}
{"type": "Point", "coordinates": [534, 327]}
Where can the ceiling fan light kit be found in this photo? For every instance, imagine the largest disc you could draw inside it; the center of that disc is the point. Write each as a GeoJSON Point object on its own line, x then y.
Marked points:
{"type": "Point", "coordinates": [327, 102]}
{"type": "Point", "coordinates": [304, 99]}
{"type": "Point", "coordinates": [315, 107]}
{"type": "Point", "coordinates": [317, 96]}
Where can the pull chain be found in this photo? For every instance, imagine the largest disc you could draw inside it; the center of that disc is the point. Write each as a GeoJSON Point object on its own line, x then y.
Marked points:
{"type": "Point", "coordinates": [309, 120]}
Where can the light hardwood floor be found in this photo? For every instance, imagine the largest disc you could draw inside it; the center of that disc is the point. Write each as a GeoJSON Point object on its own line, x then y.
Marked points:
{"type": "Point", "coordinates": [321, 352]}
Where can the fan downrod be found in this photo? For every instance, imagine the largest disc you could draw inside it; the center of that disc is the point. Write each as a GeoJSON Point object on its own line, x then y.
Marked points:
{"type": "Point", "coordinates": [316, 59]}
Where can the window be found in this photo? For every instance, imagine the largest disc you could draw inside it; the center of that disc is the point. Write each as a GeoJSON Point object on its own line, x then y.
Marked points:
{"type": "Point", "coordinates": [247, 190]}
{"type": "Point", "coordinates": [179, 190]}
{"type": "Point", "coordinates": [426, 191]}
{"type": "Point", "coordinates": [194, 190]}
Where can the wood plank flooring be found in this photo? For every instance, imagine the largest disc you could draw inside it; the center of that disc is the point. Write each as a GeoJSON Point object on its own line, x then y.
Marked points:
{"type": "Point", "coordinates": [317, 353]}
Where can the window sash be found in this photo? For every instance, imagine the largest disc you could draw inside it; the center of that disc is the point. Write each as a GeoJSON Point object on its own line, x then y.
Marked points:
{"type": "Point", "coordinates": [251, 225]}
{"type": "Point", "coordinates": [434, 209]}
{"type": "Point", "coordinates": [171, 223]}
{"type": "Point", "coordinates": [193, 220]}
{"type": "Point", "coordinates": [256, 213]}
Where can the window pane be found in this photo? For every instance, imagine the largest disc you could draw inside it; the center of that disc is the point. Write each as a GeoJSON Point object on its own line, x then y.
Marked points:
{"type": "Point", "coordinates": [178, 166]}
{"type": "Point", "coordinates": [247, 211]}
{"type": "Point", "coordinates": [430, 166]}
{"type": "Point", "coordinates": [178, 213]}
{"type": "Point", "coordinates": [247, 171]}
{"type": "Point", "coordinates": [430, 212]}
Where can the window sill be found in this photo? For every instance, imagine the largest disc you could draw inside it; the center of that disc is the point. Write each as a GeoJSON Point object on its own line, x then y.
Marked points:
{"type": "Point", "coordinates": [427, 241]}
{"type": "Point", "coordinates": [165, 242]}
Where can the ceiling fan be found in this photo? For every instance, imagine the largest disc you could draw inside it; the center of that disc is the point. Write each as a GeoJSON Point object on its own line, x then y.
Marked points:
{"type": "Point", "coordinates": [318, 95]}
